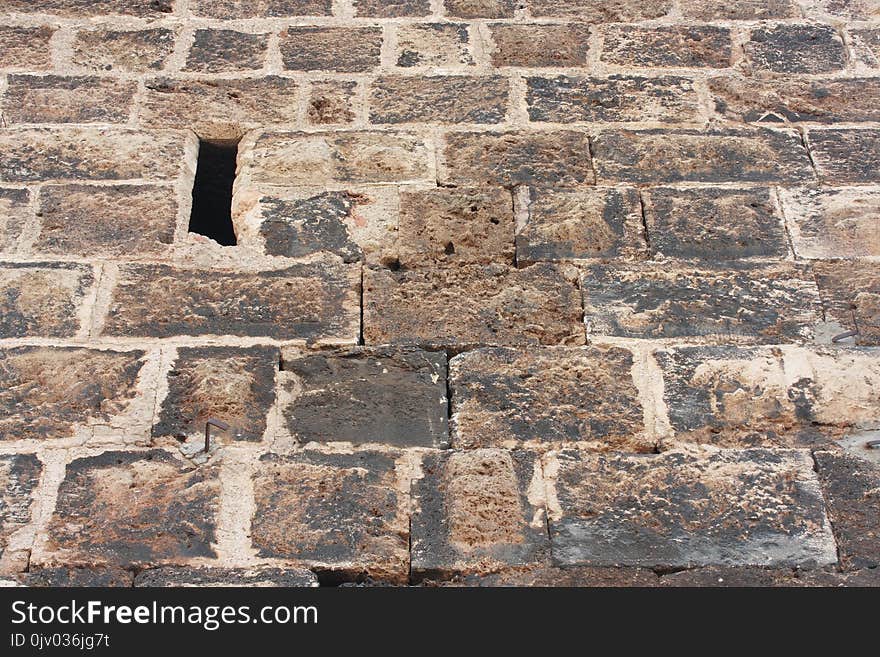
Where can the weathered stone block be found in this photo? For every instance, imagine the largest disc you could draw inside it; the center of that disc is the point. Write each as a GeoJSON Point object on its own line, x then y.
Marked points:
{"type": "Point", "coordinates": [260, 8]}
{"type": "Point", "coordinates": [438, 99]}
{"type": "Point", "coordinates": [392, 8]}
{"type": "Point", "coordinates": [54, 392]}
{"type": "Point", "coordinates": [846, 156]}
{"type": "Point", "coordinates": [221, 51]}
{"type": "Point", "coordinates": [25, 48]}
{"type": "Point", "coordinates": [477, 512]}
{"type": "Point", "coordinates": [480, 8]}
{"type": "Point", "coordinates": [42, 299]}
{"type": "Point", "coordinates": [342, 49]}
{"type": "Point", "coordinates": [602, 11]}
{"type": "Point", "coordinates": [772, 304]}
{"type": "Point", "coordinates": [796, 49]}
{"type": "Point", "coordinates": [851, 296]}
{"type": "Point", "coordinates": [466, 306]}
{"type": "Point", "coordinates": [388, 396]}
{"type": "Point", "coordinates": [776, 98]}
{"type": "Point", "coordinates": [233, 384]}
{"type": "Point", "coordinates": [118, 220]}
{"type": "Point", "coordinates": [548, 576]}
{"type": "Point", "coordinates": [755, 576]}
{"type": "Point", "coordinates": [712, 223]}
{"type": "Point", "coordinates": [433, 44]}
{"type": "Point", "coordinates": [768, 396]}
{"type": "Point", "coordinates": [56, 99]}
{"type": "Point", "coordinates": [616, 98]}
{"type": "Point", "coordinates": [460, 225]}
{"type": "Point", "coordinates": [703, 46]}
{"type": "Point", "coordinates": [866, 43]}
{"type": "Point", "coordinates": [539, 45]}
{"type": "Point", "coordinates": [297, 158]}
{"type": "Point", "coordinates": [833, 223]}
{"type": "Point", "coordinates": [857, 10]}
{"type": "Point", "coordinates": [331, 101]}
{"type": "Point", "coordinates": [342, 514]}
{"type": "Point", "coordinates": [260, 576]}
{"type": "Point", "coordinates": [553, 395]}
{"type": "Point", "coordinates": [140, 8]}
{"type": "Point", "coordinates": [219, 109]}
{"type": "Point", "coordinates": [592, 223]}
{"type": "Point", "coordinates": [36, 154]}
{"type": "Point", "coordinates": [852, 487]}
{"type": "Point", "coordinates": [741, 10]}
{"type": "Point", "coordinates": [680, 509]}
{"type": "Point", "coordinates": [356, 224]}
{"type": "Point", "coordinates": [132, 508]}
{"type": "Point", "coordinates": [77, 577]}
{"type": "Point", "coordinates": [122, 50]}
{"type": "Point", "coordinates": [315, 302]}
{"type": "Point", "coordinates": [19, 476]}
{"type": "Point", "coordinates": [15, 213]}
{"type": "Point", "coordinates": [693, 156]}
{"type": "Point", "coordinates": [496, 159]}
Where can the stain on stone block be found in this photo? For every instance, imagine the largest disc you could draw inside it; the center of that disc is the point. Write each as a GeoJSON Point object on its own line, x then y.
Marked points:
{"type": "Point", "coordinates": [42, 299]}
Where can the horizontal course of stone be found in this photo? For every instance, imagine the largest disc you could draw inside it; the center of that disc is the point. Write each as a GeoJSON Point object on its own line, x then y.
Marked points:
{"type": "Point", "coordinates": [533, 293]}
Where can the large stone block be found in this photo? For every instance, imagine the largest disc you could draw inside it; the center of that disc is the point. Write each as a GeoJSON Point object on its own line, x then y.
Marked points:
{"type": "Point", "coordinates": [15, 212]}
{"type": "Point", "coordinates": [222, 51]}
{"type": "Point", "coordinates": [438, 99]}
{"type": "Point", "coordinates": [602, 11]}
{"type": "Point", "coordinates": [25, 48]}
{"type": "Point", "coordinates": [57, 99]}
{"type": "Point", "coordinates": [846, 155]}
{"type": "Point", "coordinates": [340, 49]}
{"type": "Point", "coordinates": [19, 476]}
{"type": "Point", "coordinates": [851, 297]}
{"type": "Point", "coordinates": [134, 51]}
{"type": "Point", "coordinates": [796, 49]}
{"type": "Point", "coordinates": [539, 45]}
{"type": "Point", "coordinates": [42, 299]}
{"type": "Point", "coordinates": [701, 46]}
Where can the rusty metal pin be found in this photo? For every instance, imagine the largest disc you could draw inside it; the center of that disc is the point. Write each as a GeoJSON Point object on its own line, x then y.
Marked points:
{"type": "Point", "coordinates": [213, 422]}
{"type": "Point", "coordinates": [843, 336]}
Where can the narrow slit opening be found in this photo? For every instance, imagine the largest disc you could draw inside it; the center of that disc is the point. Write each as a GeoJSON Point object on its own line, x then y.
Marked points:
{"type": "Point", "coordinates": [211, 214]}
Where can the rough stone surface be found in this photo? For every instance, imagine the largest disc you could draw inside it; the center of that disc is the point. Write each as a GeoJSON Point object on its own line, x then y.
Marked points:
{"type": "Point", "coordinates": [19, 476]}
{"type": "Point", "coordinates": [833, 223]}
{"type": "Point", "coordinates": [851, 297]}
{"type": "Point", "coordinates": [602, 11]}
{"type": "Point", "coordinates": [128, 508]}
{"type": "Point", "coordinates": [220, 51]}
{"type": "Point", "coordinates": [52, 392]}
{"type": "Point", "coordinates": [719, 576]}
{"type": "Point", "coordinates": [616, 98]}
{"type": "Point", "coordinates": [728, 507]}
{"type": "Point", "coordinates": [106, 220]}
{"type": "Point", "coordinates": [455, 225]}
{"type": "Point", "coordinates": [78, 577]}
{"type": "Point", "coordinates": [846, 156]}
{"type": "Point", "coordinates": [392, 8]}
{"type": "Point", "coordinates": [234, 9]}
{"type": "Point", "coordinates": [771, 304]}
{"type": "Point", "coordinates": [796, 49]}
{"type": "Point", "coordinates": [478, 511]}
{"type": "Point", "coordinates": [304, 301]}
{"type": "Point", "coordinates": [14, 215]}
{"type": "Point", "coordinates": [341, 49]}
{"type": "Point", "coordinates": [742, 10]}
{"type": "Point", "coordinates": [42, 299]}
{"type": "Point", "coordinates": [86, 8]}
{"type": "Point", "coordinates": [25, 47]}
{"type": "Point", "coordinates": [235, 385]}
{"type": "Point", "coordinates": [481, 8]}
{"type": "Point", "coordinates": [866, 43]}
{"type": "Point", "coordinates": [341, 514]}
{"type": "Point", "coordinates": [516, 158]}
{"type": "Point", "coordinates": [433, 44]}
{"type": "Point", "coordinates": [655, 156]}
{"type": "Point", "coordinates": [563, 577]}
{"type": "Point", "coordinates": [667, 46]}
{"type": "Point", "coordinates": [554, 395]}
{"type": "Point", "coordinates": [441, 99]}
{"type": "Point", "coordinates": [469, 305]}
{"type": "Point", "coordinates": [713, 224]}
{"type": "Point", "coordinates": [388, 397]}
{"type": "Point", "coordinates": [332, 101]}
{"type": "Point", "coordinates": [592, 223]}
{"type": "Point", "coordinates": [852, 486]}
{"type": "Point", "coordinates": [177, 576]}
{"type": "Point", "coordinates": [539, 45]}
{"type": "Point", "coordinates": [56, 99]}
{"type": "Point", "coordinates": [122, 50]}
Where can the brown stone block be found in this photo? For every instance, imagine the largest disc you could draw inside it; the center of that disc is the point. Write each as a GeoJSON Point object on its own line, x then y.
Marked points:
{"type": "Point", "coordinates": [617, 98]}
{"type": "Point", "coordinates": [332, 101]}
{"type": "Point", "coordinates": [466, 306]}
{"type": "Point", "coordinates": [563, 577]}
{"type": "Point", "coordinates": [56, 392]}
{"type": "Point", "coordinates": [796, 49]}
{"type": "Point", "coordinates": [132, 508]}
{"type": "Point", "coordinates": [480, 8]}
{"type": "Point", "coordinates": [477, 512]}
{"type": "Point", "coordinates": [56, 99]}
{"type": "Point", "coordinates": [37, 154]}
{"type": "Point", "coordinates": [539, 45]}
{"type": "Point", "coordinates": [741, 10]}
{"type": "Point", "coordinates": [702, 46]}
{"type": "Point", "coordinates": [392, 8]}
{"type": "Point", "coordinates": [345, 515]}
{"type": "Point", "coordinates": [25, 48]}
{"type": "Point", "coordinates": [681, 509]}
{"type": "Point", "coordinates": [753, 576]}
{"type": "Point", "coordinates": [233, 9]}
{"type": "Point", "coordinates": [42, 299]}
{"type": "Point", "coordinates": [846, 156]}
{"type": "Point", "coordinates": [433, 44]}
{"type": "Point", "coordinates": [19, 476]}
{"type": "Point", "coordinates": [547, 396]}
{"type": "Point", "coordinates": [261, 576]}
{"type": "Point", "coordinates": [77, 577]}
{"type": "Point", "coordinates": [15, 212]}
{"type": "Point", "coordinates": [123, 50]}
{"type": "Point", "coordinates": [455, 225]}
{"type": "Point", "coordinates": [602, 11]}
{"type": "Point", "coordinates": [850, 294]}
{"type": "Point", "coordinates": [770, 304]}
{"type": "Point", "coordinates": [233, 384]}
{"type": "Point", "coordinates": [89, 8]}
{"type": "Point", "coordinates": [509, 159]}
{"type": "Point", "coordinates": [713, 223]}
{"type": "Point", "coordinates": [866, 43]}
{"type": "Point", "coordinates": [315, 302]}
{"type": "Point", "coordinates": [438, 99]}
{"type": "Point", "coordinates": [222, 51]}
{"type": "Point", "coordinates": [341, 49]}
{"type": "Point", "coordinates": [366, 396]}
{"type": "Point", "coordinates": [119, 220]}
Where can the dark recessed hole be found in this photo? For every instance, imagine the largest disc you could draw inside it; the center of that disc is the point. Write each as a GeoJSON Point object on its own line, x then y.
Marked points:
{"type": "Point", "coordinates": [212, 192]}
{"type": "Point", "coordinates": [449, 249]}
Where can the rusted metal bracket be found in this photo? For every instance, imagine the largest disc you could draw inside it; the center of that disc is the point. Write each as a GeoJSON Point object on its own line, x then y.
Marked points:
{"type": "Point", "coordinates": [212, 422]}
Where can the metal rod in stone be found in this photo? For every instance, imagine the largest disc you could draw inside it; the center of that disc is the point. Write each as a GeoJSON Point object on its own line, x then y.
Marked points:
{"type": "Point", "coordinates": [213, 422]}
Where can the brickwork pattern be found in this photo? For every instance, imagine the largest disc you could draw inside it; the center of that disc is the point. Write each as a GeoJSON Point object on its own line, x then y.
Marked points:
{"type": "Point", "coordinates": [548, 292]}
